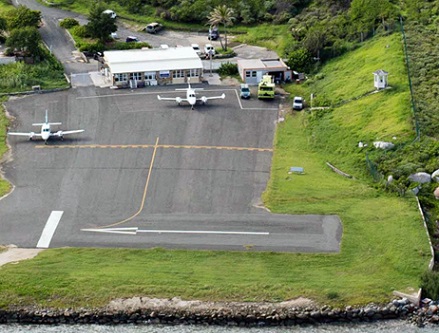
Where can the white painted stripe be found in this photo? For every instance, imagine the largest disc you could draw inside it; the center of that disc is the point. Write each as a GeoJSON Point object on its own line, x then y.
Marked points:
{"type": "Point", "coordinates": [205, 232]}
{"type": "Point", "coordinates": [134, 231]}
{"type": "Point", "coordinates": [49, 229]}
{"type": "Point", "coordinates": [121, 231]}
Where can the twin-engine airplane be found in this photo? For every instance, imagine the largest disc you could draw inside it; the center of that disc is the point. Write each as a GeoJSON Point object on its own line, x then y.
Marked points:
{"type": "Point", "coordinates": [46, 133]}
{"type": "Point", "coordinates": [191, 97]}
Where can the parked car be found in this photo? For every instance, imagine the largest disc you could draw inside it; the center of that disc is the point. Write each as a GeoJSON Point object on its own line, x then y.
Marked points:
{"type": "Point", "coordinates": [196, 48]}
{"type": "Point", "coordinates": [131, 39]}
{"type": "Point", "coordinates": [154, 27]}
{"type": "Point", "coordinates": [114, 35]}
{"type": "Point", "coordinates": [111, 13]}
{"type": "Point", "coordinates": [213, 33]}
{"type": "Point", "coordinates": [298, 103]}
{"type": "Point", "coordinates": [209, 49]}
{"type": "Point", "coordinates": [245, 91]}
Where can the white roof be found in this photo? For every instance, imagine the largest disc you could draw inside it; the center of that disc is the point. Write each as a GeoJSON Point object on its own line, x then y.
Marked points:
{"type": "Point", "coordinates": [146, 60]}
{"type": "Point", "coordinates": [261, 63]}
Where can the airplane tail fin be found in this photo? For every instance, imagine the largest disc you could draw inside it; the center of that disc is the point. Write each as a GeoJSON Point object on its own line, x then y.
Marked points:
{"type": "Point", "coordinates": [46, 121]}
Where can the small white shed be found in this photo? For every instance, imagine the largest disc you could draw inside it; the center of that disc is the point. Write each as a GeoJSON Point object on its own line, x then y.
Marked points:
{"type": "Point", "coordinates": [252, 70]}
{"type": "Point", "coordinates": [380, 79]}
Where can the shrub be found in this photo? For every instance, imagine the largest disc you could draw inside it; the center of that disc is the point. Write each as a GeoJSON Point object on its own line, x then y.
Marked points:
{"type": "Point", "coordinates": [92, 47]}
{"type": "Point", "coordinates": [228, 69]}
{"type": "Point", "coordinates": [430, 284]}
{"type": "Point", "coordinates": [81, 31]}
{"type": "Point", "coordinates": [68, 23]}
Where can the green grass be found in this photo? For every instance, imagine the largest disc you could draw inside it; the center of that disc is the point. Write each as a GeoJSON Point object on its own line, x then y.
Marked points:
{"type": "Point", "coordinates": [273, 37]}
{"type": "Point", "coordinates": [5, 186]}
{"type": "Point", "coordinates": [350, 75]}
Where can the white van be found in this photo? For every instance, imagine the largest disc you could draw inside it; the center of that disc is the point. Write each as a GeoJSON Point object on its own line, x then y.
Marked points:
{"type": "Point", "coordinates": [111, 13]}
{"type": "Point", "coordinates": [153, 28]}
{"type": "Point", "coordinates": [209, 49]}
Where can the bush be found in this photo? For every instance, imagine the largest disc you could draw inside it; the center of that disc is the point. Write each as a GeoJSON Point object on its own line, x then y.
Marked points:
{"type": "Point", "coordinates": [430, 285]}
{"type": "Point", "coordinates": [228, 69]}
{"type": "Point", "coordinates": [81, 31]}
{"type": "Point", "coordinates": [92, 47]}
{"type": "Point", "coordinates": [68, 23]}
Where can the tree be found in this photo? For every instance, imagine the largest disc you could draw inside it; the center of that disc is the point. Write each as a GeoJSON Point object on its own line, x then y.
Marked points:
{"type": "Point", "coordinates": [25, 41]}
{"type": "Point", "coordinates": [222, 15]}
{"type": "Point", "coordinates": [22, 17]}
{"type": "Point", "coordinates": [3, 29]}
{"type": "Point", "coordinates": [300, 60]}
{"type": "Point", "coordinates": [100, 25]}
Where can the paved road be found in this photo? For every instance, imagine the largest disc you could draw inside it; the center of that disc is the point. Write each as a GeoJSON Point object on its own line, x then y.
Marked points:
{"type": "Point", "coordinates": [198, 186]}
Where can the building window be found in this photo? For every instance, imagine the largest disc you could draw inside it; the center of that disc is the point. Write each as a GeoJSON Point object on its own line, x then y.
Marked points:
{"type": "Point", "coordinates": [149, 75]}
{"type": "Point", "coordinates": [136, 76]}
{"type": "Point", "coordinates": [177, 73]}
{"type": "Point", "coordinates": [253, 73]}
{"type": "Point", "coordinates": [247, 73]}
{"type": "Point", "coordinates": [194, 72]}
{"type": "Point", "coordinates": [121, 77]}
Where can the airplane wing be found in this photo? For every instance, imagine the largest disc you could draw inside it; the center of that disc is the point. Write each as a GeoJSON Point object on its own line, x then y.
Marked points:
{"type": "Point", "coordinates": [62, 133]}
{"type": "Point", "coordinates": [30, 134]}
{"type": "Point", "coordinates": [175, 99]}
{"type": "Point", "coordinates": [204, 98]}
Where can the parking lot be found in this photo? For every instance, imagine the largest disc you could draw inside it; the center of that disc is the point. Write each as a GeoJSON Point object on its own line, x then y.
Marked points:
{"type": "Point", "coordinates": [147, 173]}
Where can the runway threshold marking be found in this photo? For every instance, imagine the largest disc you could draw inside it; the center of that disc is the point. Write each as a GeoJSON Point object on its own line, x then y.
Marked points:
{"type": "Point", "coordinates": [49, 229]}
{"type": "Point", "coordinates": [153, 146]}
{"type": "Point", "coordinates": [145, 191]}
{"type": "Point", "coordinates": [135, 231]}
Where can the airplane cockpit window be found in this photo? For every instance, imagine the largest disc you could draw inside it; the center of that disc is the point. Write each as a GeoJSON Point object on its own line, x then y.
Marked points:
{"type": "Point", "coordinates": [191, 95]}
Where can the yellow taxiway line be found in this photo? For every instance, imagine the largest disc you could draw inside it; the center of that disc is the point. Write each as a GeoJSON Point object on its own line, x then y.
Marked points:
{"type": "Point", "coordinates": [145, 191]}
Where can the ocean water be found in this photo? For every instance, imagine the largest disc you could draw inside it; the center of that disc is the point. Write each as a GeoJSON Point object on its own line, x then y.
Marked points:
{"type": "Point", "coordinates": [378, 327]}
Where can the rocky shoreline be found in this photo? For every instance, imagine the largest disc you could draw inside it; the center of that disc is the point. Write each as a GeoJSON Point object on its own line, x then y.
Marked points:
{"type": "Point", "coordinates": [175, 312]}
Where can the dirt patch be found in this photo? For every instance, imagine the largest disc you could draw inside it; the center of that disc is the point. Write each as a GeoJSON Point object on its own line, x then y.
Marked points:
{"type": "Point", "coordinates": [156, 304]}
{"type": "Point", "coordinates": [13, 254]}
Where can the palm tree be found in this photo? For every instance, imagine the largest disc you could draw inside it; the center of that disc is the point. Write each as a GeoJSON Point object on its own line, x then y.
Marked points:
{"type": "Point", "coordinates": [222, 15]}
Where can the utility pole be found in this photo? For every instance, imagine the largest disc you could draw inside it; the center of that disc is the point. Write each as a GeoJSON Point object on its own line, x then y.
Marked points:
{"type": "Point", "coordinates": [210, 57]}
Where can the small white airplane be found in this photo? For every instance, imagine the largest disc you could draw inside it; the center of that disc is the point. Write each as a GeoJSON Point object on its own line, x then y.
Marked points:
{"type": "Point", "coordinates": [191, 96]}
{"type": "Point", "coordinates": [46, 133]}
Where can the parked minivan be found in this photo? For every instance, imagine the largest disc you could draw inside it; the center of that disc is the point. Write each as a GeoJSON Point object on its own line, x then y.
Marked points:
{"type": "Point", "coordinates": [153, 28]}
{"type": "Point", "coordinates": [213, 33]}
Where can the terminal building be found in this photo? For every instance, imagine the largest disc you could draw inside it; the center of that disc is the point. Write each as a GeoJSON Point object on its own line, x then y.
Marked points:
{"type": "Point", "coordinates": [144, 67]}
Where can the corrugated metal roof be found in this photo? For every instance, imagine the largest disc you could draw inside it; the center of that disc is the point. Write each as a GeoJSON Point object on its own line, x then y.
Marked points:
{"type": "Point", "coordinates": [261, 63]}
{"type": "Point", "coordinates": [145, 60]}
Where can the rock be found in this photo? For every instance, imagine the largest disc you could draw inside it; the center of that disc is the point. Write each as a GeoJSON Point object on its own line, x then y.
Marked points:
{"type": "Point", "coordinates": [420, 177]}
{"type": "Point", "coordinates": [383, 145]}
{"type": "Point", "coordinates": [435, 175]}
{"type": "Point", "coordinates": [436, 193]}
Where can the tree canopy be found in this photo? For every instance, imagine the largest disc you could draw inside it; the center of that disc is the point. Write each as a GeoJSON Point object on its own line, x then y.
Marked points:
{"type": "Point", "coordinates": [25, 41]}
{"type": "Point", "coordinates": [22, 17]}
{"type": "Point", "coordinates": [222, 15]}
{"type": "Point", "coordinates": [100, 25]}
